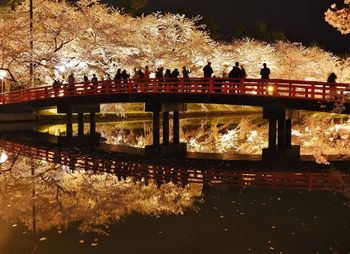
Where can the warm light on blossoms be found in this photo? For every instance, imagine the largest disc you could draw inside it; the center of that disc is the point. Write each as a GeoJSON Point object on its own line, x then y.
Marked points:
{"type": "Point", "coordinates": [69, 38]}
{"type": "Point", "coordinates": [339, 18]}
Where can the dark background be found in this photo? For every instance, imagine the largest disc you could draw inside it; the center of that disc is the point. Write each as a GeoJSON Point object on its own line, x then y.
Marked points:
{"type": "Point", "coordinates": [300, 20]}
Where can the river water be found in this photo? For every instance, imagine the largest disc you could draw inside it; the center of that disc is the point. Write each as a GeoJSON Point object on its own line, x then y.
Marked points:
{"type": "Point", "coordinates": [48, 207]}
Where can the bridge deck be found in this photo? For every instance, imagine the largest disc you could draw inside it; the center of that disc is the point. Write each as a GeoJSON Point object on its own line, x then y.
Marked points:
{"type": "Point", "coordinates": [310, 91]}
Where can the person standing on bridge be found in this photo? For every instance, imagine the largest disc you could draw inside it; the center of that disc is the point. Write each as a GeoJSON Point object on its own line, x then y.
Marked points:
{"type": "Point", "coordinates": [71, 83]}
{"type": "Point", "coordinates": [159, 76]}
{"type": "Point", "coordinates": [331, 80]}
{"type": "Point", "coordinates": [234, 75]}
{"type": "Point", "coordinates": [208, 72]}
{"type": "Point", "coordinates": [56, 87]}
{"type": "Point", "coordinates": [243, 72]}
{"type": "Point", "coordinates": [265, 74]}
{"type": "Point", "coordinates": [186, 77]}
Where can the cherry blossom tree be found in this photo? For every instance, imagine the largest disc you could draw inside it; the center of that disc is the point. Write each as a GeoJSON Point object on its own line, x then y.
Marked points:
{"type": "Point", "coordinates": [339, 18]}
{"type": "Point", "coordinates": [90, 37]}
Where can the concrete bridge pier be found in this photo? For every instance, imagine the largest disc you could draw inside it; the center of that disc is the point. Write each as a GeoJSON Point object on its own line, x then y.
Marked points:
{"type": "Point", "coordinates": [82, 138]}
{"type": "Point", "coordinates": [166, 147]}
{"type": "Point", "coordinates": [280, 148]}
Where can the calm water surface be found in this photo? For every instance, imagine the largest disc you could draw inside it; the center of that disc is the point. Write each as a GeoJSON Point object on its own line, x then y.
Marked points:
{"type": "Point", "coordinates": [50, 208]}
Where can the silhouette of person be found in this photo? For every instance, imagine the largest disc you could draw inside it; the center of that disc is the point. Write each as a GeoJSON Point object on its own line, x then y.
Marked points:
{"type": "Point", "coordinates": [331, 80]}
{"type": "Point", "coordinates": [185, 73]}
{"type": "Point", "coordinates": [136, 74]}
{"type": "Point", "coordinates": [235, 74]}
{"type": "Point", "coordinates": [56, 87]}
{"type": "Point", "coordinates": [125, 76]}
{"type": "Point", "coordinates": [159, 73]}
{"type": "Point", "coordinates": [207, 70]}
{"type": "Point", "coordinates": [141, 74]}
{"type": "Point", "coordinates": [186, 77]}
{"type": "Point", "coordinates": [94, 82]}
{"type": "Point", "coordinates": [71, 83]}
{"type": "Point", "coordinates": [118, 75]}
{"type": "Point", "coordinates": [175, 73]}
{"type": "Point", "coordinates": [243, 72]}
{"type": "Point", "coordinates": [94, 79]}
{"type": "Point", "coordinates": [147, 73]}
{"type": "Point", "coordinates": [167, 74]}
{"type": "Point", "coordinates": [265, 72]}
{"type": "Point", "coordinates": [167, 77]}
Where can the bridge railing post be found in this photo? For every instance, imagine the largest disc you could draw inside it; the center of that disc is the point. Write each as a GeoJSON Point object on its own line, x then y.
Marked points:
{"type": "Point", "coordinates": [181, 85]}
{"type": "Point", "coordinates": [211, 85]}
{"type": "Point", "coordinates": [313, 91]}
{"type": "Point", "coordinates": [241, 86]}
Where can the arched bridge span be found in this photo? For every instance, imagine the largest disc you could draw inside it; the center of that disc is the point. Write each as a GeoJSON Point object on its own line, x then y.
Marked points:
{"type": "Point", "coordinates": [277, 97]}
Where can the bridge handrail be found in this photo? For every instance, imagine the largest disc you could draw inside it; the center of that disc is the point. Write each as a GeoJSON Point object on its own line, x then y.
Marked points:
{"type": "Point", "coordinates": [302, 89]}
{"type": "Point", "coordinates": [260, 179]}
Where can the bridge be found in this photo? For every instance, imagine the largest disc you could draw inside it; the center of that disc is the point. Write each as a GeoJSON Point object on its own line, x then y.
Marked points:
{"type": "Point", "coordinates": [141, 169]}
{"type": "Point", "coordinates": [278, 98]}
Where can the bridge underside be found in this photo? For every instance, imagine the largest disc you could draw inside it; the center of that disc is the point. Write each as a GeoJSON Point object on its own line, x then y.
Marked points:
{"type": "Point", "coordinates": [229, 99]}
{"type": "Point", "coordinates": [277, 110]}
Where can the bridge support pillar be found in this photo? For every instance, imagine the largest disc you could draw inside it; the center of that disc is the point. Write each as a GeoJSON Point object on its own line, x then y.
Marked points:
{"type": "Point", "coordinates": [165, 128]}
{"type": "Point", "coordinates": [280, 150]}
{"type": "Point", "coordinates": [156, 127]}
{"type": "Point", "coordinates": [92, 123]}
{"type": "Point", "coordinates": [166, 147]}
{"type": "Point", "coordinates": [80, 139]}
{"type": "Point", "coordinates": [176, 127]}
{"type": "Point", "coordinates": [69, 124]}
{"type": "Point", "coordinates": [80, 124]}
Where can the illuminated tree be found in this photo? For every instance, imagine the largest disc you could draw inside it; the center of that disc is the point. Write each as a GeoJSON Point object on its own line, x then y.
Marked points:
{"type": "Point", "coordinates": [339, 18]}
{"type": "Point", "coordinates": [89, 37]}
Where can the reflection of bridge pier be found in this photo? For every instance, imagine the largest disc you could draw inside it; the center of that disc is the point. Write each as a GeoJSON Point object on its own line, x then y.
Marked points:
{"type": "Point", "coordinates": [166, 147]}
{"type": "Point", "coordinates": [82, 138]}
{"type": "Point", "coordinates": [280, 130]}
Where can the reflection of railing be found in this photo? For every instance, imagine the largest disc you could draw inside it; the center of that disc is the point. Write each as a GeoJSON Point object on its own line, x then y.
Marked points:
{"type": "Point", "coordinates": [310, 90]}
{"type": "Point", "coordinates": [144, 170]}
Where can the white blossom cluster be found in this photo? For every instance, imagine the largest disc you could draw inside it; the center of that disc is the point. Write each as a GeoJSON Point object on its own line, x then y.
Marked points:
{"type": "Point", "coordinates": [89, 37]}
{"type": "Point", "coordinates": [339, 18]}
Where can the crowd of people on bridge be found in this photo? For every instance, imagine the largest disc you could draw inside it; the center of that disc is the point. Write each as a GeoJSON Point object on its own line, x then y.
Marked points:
{"type": "Point", "coordinates": [122, 77]}
{"type": "Point", "coordinates": [236, 72]}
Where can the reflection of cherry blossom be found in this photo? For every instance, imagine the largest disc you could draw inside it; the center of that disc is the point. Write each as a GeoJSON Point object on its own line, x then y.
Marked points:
{"type": "Point", "coordinates": [317, 135]}
{"type": "Point", "coordinates": [92, 201]}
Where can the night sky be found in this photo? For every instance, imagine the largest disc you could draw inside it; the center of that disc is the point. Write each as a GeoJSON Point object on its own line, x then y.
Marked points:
{"type": "Point", "coordinates": [301, 21]}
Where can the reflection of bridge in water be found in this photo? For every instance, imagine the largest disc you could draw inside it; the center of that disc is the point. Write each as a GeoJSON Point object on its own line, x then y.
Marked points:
{"type": "Point", "coordinates": [278, 98]}
{"type": "Point", "coordinates": [146, 170]}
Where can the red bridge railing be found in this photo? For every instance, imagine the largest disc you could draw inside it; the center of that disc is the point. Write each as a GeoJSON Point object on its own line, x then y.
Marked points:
{"type": "Point", "coordinates": [148, 171]}
{"type": "Point", "coordinates": [310, 90]}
